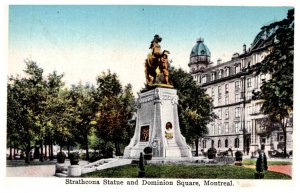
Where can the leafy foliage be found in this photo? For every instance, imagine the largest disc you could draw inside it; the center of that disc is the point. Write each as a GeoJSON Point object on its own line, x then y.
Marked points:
{"type": "Point", "coordinates": [277, 92]}
{"type": "Point", "coordinates": [114, 110]}
{"type": "Point", "coordinates": [40, 111]}
{"type": "Point", "coordinates": [195, 106]}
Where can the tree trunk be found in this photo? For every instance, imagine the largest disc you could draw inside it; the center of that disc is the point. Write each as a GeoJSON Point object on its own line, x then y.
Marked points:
{"type": "Point", "coordinates": [45, 146]}
{"type": "Point", "coordinates": [197, 147]}
{"type": "Point", "coordinates": [42, 152]}
{"type": "Point", "coordinates": [51, 148]}
{"type": "Point", "coordinates": [68, 147]}
{"type": "Point", "coordinates": [284, 143]}
{"type": "Point", "coordinates": [283, 127]}
{"type": "Point", "coordinates": [10, 152]}
{"type": "Point", "coordinates": [117, 147]}
{"type": "Point", "coordinates": [27, 152]}
{"type": "Point", "coordinates": [87, 157]}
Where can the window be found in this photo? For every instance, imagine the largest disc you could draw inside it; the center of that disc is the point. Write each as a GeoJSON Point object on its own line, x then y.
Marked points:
{"type": "Point", "coordinates": [237, 112]}
{"type": "Point", "coordinates": [248, 126]}
{"type": "Point", "coordinates": [220, 113]}
{"type": "Point", "coordinates": [249, 82]}
{"type": "Point", "coordinates": [212, 129]}
{"type": "Point", "coordinates": [212, 143]}
{"type": "Point", "coordinates": [220, 73]}
{"type": "Point", "coordinates": [226, 128]}
{"type": "Point", "coordinates": [255, 82]}
{"type": "Point", "coordinates": [237, 127]}
{"type": "Point", "coordinates": [226, 88]}
{"type": "Point", "coordinates": [236, 143]}
{"type": "Point", "coordinates": [249, 95]}
{"type": "Point", "coordinates": [219, 143]}
{"type": "Point", "coordinates": [249, 110]}
{"type": "Point", "coordinates": [197, 78]}
{"type": "Point", "coordinates": [204, 143]}
{"type": "Point", "coordinates": [237, 85]}
{"type": "Point", "coordinates": [237, 98]}
{"type": "Point", "coordinates": [219, 101]}
{"type": "Point", "coordinates": [219, 129]}
{"type": "Point", "coordinates": [226, 113]}
{"type": "Point", "coordinates": [213, 76]}
{"type": "Point", "coordinates": [226, 143]}
{"type": "Point", "coordinates": [204, 78]}
{"type": "Point", "coordinates": [237, 69]}
{"type": "Point", "coordinates": [258, 107]}
{"type": "Point", "coordinates": [227, 69]}
{"type": "Point", "coordinates": [226, 100]}
{"type": "Point", "coordinates": [219, 90]}
{"type": "Point", "coordinates": [212, 91]}
{"type": "Point", "coordinates": [280, 137]}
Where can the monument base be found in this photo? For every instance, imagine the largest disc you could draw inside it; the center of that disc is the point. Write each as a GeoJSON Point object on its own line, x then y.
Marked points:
{"type": "Point", "coordinates": [157, 126]}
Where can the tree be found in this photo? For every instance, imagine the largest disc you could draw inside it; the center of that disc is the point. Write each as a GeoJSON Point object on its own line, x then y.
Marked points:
{"type": "Point", "coordinates": [28, 94]}
{"type": "Point", "coordinates": [194, 108]}
{"type": "Point", "coordinates": [115, 109]}
{"type": "Point", "coordinates": [82, 106]}
{"type": "Point", "coordinates": [32, 108]}
{"type": "Point", "coordinates": [277, 92]}
{"type": "Point", "coordinates": [14, 137]}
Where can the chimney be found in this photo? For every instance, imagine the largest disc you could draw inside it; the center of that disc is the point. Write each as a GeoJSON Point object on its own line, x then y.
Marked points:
{"type": "Point", "coordinates": [244, 48]}
{"type": "Point", "coordinates": [219, 61]}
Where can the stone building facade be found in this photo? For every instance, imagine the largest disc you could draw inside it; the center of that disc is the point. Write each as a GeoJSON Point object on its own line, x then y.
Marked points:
{"type": "Point", "coordinates": [231, 85]}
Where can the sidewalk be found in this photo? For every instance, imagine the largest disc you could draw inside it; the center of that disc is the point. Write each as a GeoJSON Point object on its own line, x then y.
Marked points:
{"type": "Point", "coordinates": [18, 168]}
{"type": "Point", "coordinates": [284, 169]}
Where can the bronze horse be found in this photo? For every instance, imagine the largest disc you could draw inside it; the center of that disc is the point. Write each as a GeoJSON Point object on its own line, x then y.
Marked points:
{"type": "Point", "coordinates": [156, 60]}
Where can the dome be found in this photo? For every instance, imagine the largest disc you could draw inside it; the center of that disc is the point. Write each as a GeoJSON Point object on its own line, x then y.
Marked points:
{"type": "Point", "coordinates": [200, 54]}
{"type": "Point", "coordinates": [264, 34]}
{"type": "Point", "coordinates": [200, 49]}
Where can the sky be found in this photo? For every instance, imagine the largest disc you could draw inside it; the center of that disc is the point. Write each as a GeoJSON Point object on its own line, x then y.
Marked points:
{"type": "Point", "coordinates": [82, 41]}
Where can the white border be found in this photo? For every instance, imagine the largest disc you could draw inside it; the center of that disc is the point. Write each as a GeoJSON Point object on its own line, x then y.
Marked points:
{"type": "Point", "coordinates": [54, 184]}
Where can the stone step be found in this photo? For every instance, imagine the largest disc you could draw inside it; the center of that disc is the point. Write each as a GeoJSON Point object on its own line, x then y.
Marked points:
{"type": "Point", "coordinates": [65, 172]}
{"type": "Point", "coordinates": [61, 175]}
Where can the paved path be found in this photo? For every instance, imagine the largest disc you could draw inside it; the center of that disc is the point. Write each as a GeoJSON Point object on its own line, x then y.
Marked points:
{"type": "Point", "coordinates": [31, 171]}
{"type": "Point", "coordinates": [18, 168]}
{"type": "Point", "coordinates": [285, 169]}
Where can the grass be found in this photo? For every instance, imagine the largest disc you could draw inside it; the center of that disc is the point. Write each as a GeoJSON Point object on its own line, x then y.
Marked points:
{"type": "Point", "coordinates": [253, 162]}
{"type": "Point", "coordinates": [185, 171]}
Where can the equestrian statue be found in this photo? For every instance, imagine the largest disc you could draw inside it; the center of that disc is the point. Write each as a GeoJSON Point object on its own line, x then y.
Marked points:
{"type": "Point", "coordinates": [157, 65]}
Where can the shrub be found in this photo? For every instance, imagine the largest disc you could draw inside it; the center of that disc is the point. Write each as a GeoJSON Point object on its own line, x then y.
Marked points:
{"type": "Point", "coordinates": [61, 157]}
{"type": "Point", "coordinates": [238, 156]}
{"type": "Point", "coordinates": [148, 153]}
{"type": "Point", "coordinates": [74, 158]}
{"type": "Point", "coordinates": [148, 150]}
{"type": "Point", "coordinates": [211, 153]}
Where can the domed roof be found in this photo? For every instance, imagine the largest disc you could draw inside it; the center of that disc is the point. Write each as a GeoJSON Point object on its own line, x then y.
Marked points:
{"type": "Point", "coordinates": [200, 49]}
{"type": "Point", "coordinates": [264, 34]}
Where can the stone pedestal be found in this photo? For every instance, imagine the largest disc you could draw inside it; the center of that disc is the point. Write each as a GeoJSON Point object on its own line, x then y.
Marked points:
{"type": "Point", "coordinates": [60, 167]}
{"type": "Point", "coordinates": [157, 126]}
{"type": "Point", "coordinates": [74, 171]}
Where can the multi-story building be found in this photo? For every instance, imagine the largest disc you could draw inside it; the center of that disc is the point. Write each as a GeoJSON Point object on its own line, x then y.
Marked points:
{"type": "Point", "coordinates": [231, 85]}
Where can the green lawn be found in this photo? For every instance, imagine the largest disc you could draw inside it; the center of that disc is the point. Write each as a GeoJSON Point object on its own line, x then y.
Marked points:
{"type": "Point", "coordinates": [185, 171]}
{"type": "Point", "coordinates": [253, 162]}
